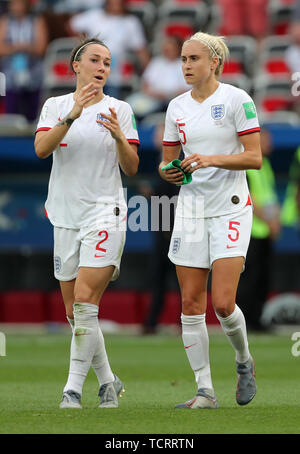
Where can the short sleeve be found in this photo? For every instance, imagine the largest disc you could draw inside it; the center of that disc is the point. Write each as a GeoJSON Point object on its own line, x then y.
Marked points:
{"type": "Point", "coordinates": [48, 117]}
{"type": "Point", "coordinates": [171, 137]}
{"type": "Point", "coordinates": [245, 115]}
{"type": "Point", "coordinates": [128, 124]}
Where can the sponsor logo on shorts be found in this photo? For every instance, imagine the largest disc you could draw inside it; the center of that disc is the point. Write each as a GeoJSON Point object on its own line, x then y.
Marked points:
{"type": "Point", "coordinates": [218, 111]}
{"type": "Point", "coordinates": [176, 245]}
{"type": "Point", "coordinates": [57, 264]}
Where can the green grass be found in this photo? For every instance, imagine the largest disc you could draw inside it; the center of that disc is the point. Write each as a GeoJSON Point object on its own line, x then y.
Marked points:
{"type": "Point", "coordinates": [157, 376]}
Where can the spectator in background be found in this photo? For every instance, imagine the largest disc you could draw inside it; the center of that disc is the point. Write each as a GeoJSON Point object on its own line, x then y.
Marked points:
{"type": "Point", "coordinates": [120, 31]}
{"type": "Point", "coordinates": [162, 80]}
{"type": "Point", "coordinates": [290, 215]}
{"type": "Point", "coordinates": [23, 41]}
{"type": "Point", "coordinates": [244, 17]}
{"type": "Point", "coordinates": [254, 283]}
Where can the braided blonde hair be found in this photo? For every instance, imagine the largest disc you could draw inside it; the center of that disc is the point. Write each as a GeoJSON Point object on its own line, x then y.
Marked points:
{"type": "Point", "coordinates": [216, 46]}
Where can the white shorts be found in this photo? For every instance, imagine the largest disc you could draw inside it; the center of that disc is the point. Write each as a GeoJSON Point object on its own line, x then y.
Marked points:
{"type": "Point", "coordinates": [96, 249]}
{"type": "Point", "coordinates": [199, 242]}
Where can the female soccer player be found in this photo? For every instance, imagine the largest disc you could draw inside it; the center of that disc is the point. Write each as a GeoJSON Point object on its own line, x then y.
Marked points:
{"type": "Point", "coordinates": [217, 127]}
{"type": "Point", "coordinates": [89, 135]}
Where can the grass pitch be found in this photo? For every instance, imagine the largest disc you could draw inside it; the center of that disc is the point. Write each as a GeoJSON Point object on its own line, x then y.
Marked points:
{"type": "Point", "coordinates": [157, 376]}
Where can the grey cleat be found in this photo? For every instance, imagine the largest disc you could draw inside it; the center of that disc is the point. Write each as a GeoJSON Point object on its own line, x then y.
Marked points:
{"type": "Point", "coordinates": [246, 386]}
{"type": "Point", "coordinates": [70, 399]}
{"type": "Point", "coordinates": [110, 392]}
{"type": "Point", "coordinates": [205, 398]}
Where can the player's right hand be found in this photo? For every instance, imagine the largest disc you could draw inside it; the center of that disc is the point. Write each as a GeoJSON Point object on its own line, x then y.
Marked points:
{"type": "Point", "coordinates": [173, 176]}
{"type": "Point", "coordinates": [85, 95]}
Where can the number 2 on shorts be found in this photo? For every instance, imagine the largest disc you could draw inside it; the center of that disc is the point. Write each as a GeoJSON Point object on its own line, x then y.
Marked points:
{"type": "Point", "coordinates": [98, 248]}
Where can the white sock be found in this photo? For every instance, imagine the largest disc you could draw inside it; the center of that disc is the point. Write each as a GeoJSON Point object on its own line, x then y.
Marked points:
{"type": "Point", "coordinates": [100, 362]}
{"type": "Point", "coordinates": [196, 344]}
{"type": "Point", "coordinates": [234, 326]}
{"type": "Point", "coordinates": [84, 341]}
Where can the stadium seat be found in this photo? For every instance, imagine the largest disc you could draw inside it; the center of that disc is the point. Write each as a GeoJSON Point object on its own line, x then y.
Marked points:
{"type": "Point", "coordinates": [281, 117]}
{"type": "Point", "coordinates": [58, 77]}
{"type": "Point", "coordinates": [280, 13]}
{"type": "Point", "coordinates": [238, 80]}
{"type": "Point", "coordinates": [272, 56]}
{"type": "Point", "coordinates": [243, 50]}
{"type": "Point", "coordinates": [23, 307]}
{"type": "Point", "coordinates": [145, 11]}
{"type": "Point", "coordinates": [272, 93]}
{"type": "Point", "coordinates": [171, 27]}
{"type": "Point", "coordinates": [197, 13]}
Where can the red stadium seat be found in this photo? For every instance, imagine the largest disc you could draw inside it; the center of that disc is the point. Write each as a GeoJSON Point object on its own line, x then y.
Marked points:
{"type": "Point", "coordinates": [181, 30]}
{"type": "Point", "coordinates": [276, 66]}
{"type": "Point", "coordinates": [62, 70]}
{"type": "Point", "coordinates": [274, 103]}
{"type": "Point", "coordinates": [23, 307]}
{"type": "Point", "coordinates": [233, 66]}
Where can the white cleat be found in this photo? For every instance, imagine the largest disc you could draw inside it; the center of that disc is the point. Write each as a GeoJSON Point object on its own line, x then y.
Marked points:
{"type": "Point", "coordinates": [70, 399]}
{"type": "Point", "coordinates": [205, 398]}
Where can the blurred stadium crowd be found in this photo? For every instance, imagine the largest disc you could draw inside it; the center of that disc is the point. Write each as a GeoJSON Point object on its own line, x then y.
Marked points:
{"type": "Point", "coordinates": [36, 36]}
{"type": "Point", "coordinates": [144, 37]}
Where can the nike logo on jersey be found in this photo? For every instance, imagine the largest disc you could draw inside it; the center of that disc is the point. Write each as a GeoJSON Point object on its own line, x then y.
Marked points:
{"type": "Point", "coordinates": [189, 346]}
{"type": "Point", "coordinates": [230, 247]}
{"type": "Point", "coordinates": [179, 119]}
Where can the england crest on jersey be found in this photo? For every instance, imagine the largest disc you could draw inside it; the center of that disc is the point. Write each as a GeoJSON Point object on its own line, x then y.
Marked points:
{"type": "Point", "coordinates": [218, 111]}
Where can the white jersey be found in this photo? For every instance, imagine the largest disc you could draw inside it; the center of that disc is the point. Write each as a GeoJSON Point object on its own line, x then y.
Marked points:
{"type": "Point", "coordinates": [210, 128]}
{"type": "Point", "coordinates": [85, 184]}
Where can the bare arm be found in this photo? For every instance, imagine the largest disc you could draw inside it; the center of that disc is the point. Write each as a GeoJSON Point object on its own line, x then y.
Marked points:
{"type": "Point", "coordinates": [251, 158]}
{"type": "Point", "coordinates": [169, 154]}
{"type": "Point", "coordinates": [127, 153]}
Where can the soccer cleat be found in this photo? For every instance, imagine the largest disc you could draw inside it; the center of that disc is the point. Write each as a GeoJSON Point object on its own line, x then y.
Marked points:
{"type": "Point", "coordinates": [110, 392]}
{"type": "Point", "coordinates": [70, 399]}
{"type": "Point", "coordinates": [205, 398]}
{"type": "Point", "coordinates": [246, 386]}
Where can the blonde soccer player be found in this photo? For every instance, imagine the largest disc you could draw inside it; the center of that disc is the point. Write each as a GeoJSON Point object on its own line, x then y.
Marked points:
{"type": "Point", "coordinates": [90, 136]}
{"type": "Point", "coordinates": [217, 127]}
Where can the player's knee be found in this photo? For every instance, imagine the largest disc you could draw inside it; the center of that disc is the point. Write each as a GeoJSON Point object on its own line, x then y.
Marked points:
{"type": "Point", "coordinates": [83, 295]}
{"type": "Point", "coordinates": [191, 305]}
{"type": "Point", "coordinates": [223, 304]}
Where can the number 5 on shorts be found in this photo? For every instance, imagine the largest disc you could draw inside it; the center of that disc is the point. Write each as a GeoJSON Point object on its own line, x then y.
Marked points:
{"type": "Point", "coordinates": [234, 229]}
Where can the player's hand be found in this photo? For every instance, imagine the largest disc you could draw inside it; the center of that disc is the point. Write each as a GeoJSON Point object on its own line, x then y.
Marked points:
{"type": "Point", "coordinates": [173, 176]}
{"type": "Point", "coordinates": [85, 95]}
{"type": "Point", "coordinates": [112, 124]}
{"type": "Point", "coordinates": [194, 162]}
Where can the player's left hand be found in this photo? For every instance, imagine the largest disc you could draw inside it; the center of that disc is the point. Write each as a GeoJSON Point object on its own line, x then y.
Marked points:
{"type": "Point", "coordinates": [194, 162]}
{"type": "Point", "coordinates": [112, 124]}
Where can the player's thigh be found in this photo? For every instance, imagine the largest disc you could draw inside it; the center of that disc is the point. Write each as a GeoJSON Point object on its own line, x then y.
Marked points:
{"type": "Point", "coordinates": [193, 288]}
{"type": "Point", "coordinates": [100, 258]}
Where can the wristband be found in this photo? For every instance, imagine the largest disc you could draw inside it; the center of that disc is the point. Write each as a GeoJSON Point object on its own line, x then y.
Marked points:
{"type": "Point", "coordinates": [176, 164]}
